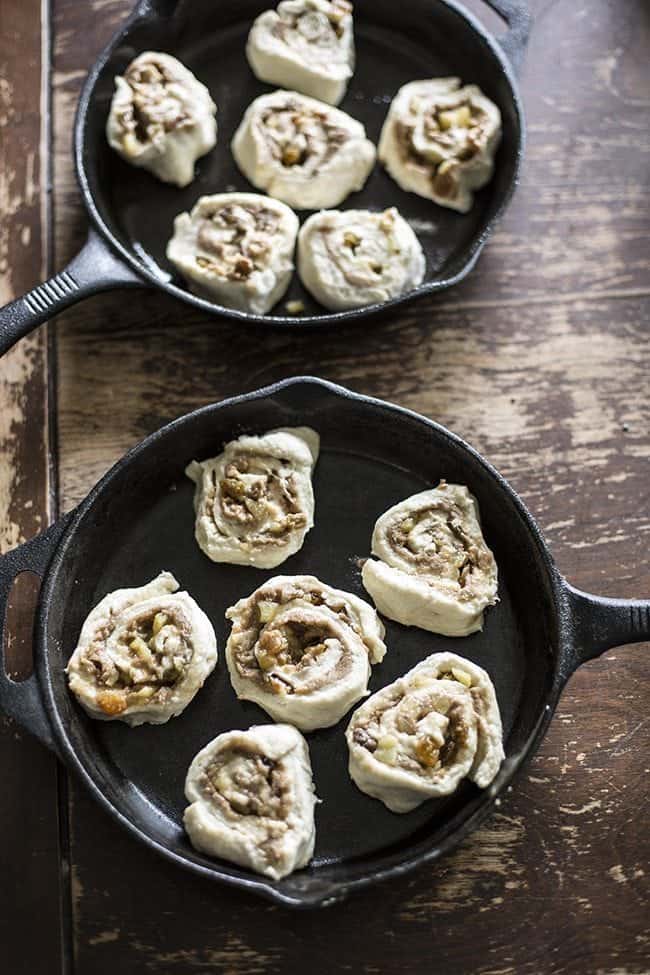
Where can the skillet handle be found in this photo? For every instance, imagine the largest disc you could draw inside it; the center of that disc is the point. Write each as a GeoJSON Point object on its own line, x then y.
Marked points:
{"type": "Point", "coordinates": [517, 16]}
{"type": "Point", "coordinates": [94, 269]}
{"type": "Point", "coordinates": [22, 699]}
{"type": "Point", "coordinates": [598, 623]}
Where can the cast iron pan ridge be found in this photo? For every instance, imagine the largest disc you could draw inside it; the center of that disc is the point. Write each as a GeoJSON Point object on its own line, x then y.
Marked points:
{"type": "Point", "coordinates": [138, 519]}
{"type": "Point", "coordinates": [132, 213]}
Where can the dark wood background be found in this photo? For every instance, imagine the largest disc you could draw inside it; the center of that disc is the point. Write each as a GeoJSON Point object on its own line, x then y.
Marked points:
{"type": "Point", "coordinates": [540, 359]}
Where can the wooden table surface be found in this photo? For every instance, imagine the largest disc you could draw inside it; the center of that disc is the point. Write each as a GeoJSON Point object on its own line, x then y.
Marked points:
{"type": "Point", "coordinates": [540, 360]}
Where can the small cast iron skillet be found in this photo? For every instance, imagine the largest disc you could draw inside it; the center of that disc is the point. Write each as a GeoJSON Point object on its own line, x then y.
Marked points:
{"type": "Point", "coordinates": [132, 213]}
{"type": "Point", "coordinates": [139, 520]}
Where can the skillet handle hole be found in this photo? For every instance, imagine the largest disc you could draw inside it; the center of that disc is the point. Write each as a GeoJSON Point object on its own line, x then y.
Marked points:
{"type": "Point", "coordinates": [19, 626]}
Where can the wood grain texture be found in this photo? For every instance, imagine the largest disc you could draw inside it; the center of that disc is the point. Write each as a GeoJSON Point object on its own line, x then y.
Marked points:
{"type": "Point", "coordinates": [29, 861]}
{"type": "Point", "coordinates": [540, 359]}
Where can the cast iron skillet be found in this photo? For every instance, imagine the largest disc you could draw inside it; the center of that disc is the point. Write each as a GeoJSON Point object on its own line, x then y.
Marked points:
{"type": "Point", "coordinates": [132, 213]}
{"type": "Point", "coordinates": [139, 520]}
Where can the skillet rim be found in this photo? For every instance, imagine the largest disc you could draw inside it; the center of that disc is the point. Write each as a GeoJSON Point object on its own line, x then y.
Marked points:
{"type": "Point", "coordinates": [394, 865]}
{"type": "Point", "coordinates": [141, 12]}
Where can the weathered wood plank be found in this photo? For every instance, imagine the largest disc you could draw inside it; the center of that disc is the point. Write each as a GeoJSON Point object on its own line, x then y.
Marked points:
{"type": "Point", "coordinates": [541, 360]}
{"type": "Point", "coordinates": [28, 802]}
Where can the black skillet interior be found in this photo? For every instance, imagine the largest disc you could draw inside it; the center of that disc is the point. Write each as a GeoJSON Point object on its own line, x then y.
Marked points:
{"type": "Point", "coordinates": [395, 44]}
{"type": "Point", "coordinates": [141, 521]}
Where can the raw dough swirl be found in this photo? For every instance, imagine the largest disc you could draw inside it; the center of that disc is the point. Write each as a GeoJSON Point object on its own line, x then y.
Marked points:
{"type": "Point", "coordinates": [161, 119]}
{"type": "Point", "coordinates": [420, 736]}
{"type": "Point", "coordinates": [302, 151]}
{"type": "Point", "coordinates": [439, 140]}
{"type": "Point", "coordinates": [306, 45]}
{"type": "Point", "coordinates": [143, 654]}
{"type": "Point", "coordinates": [254, 503]}
{"type": "Point", "coordinates": [351, 258]}
{"type": "Point", "coordinates": [302, 650]}
{"type": "Point", "coordinates": [252, 800]}
{"type": "Point", "coordinates": [236, 248]}
{"type": "Point", "coordinates": [435, 570]}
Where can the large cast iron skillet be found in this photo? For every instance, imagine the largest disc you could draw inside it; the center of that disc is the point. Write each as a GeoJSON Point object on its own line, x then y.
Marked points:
{"type": "Point", "coordinates": [132, 213]}
{"type": "Point", "coordinates": [139, 520]}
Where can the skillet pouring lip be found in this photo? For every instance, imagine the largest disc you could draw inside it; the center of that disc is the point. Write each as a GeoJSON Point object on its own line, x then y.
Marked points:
{"type": "Point", "coordinates": [472, 252]}
{"type": "Point", "coordinates": [317, 891]}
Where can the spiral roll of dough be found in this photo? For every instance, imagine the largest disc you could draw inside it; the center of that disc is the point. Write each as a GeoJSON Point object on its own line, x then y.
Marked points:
{"type": "Point", "coordinates": [351, 258]}
{"type": "Point", "coordinates": [439, 141]}
{"type": "Point", "coordinates": [420, 736]}
{"type": "Point", "coordinates": [433, 568]}
{"type": "Point", "coordinates": [236, 249]}
{"type": "Point", "coordinates": [305, 45]}
{"type": "Point", "coordinates": [254, 503]}
{"type": "Point", "coordinates": [302, 151]}
{"type": "Point", "coordinates": [302, 650]}
{"type": "Point", "coordinates": [143, 654]}
{"type": "Point", "coordinates": [161, 118]}
{"type": "Point", "coordinates": [252, 800]}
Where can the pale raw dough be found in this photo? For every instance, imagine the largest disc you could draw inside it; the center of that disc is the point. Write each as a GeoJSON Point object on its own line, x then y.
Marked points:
{"type": "Point", "coordinates": [350, 258]}
{"type": "Point", "coordinates": [439, 140]}
{"type": "Point", "coordinates": [303, 650]}
{"type": "Point", "coordinates": [236, 249]}
{"type": "Point", "coordinates": [142, 654]}
{"type": "Point", "coordinates": [252, 800]}
{"type": "Point", "coordinates": [302, 151]}
{"type": "Point", "coordinates": [434, 570]}
{"type": "Point", "coordinates": [254, 503]}
{"type": "Point", "coordinates": [161, 118]}
{"type": "Point", "coordinates": [305, 45]}
{"type": "Point", "coordinates": [421, 735]}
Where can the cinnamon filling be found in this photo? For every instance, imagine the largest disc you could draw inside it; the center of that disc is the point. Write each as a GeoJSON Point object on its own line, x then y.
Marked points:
{"type": "Point", "coordinates": [281, 646]}
{"type": "Point", "coordinates": [154, 109]}
{"type": "Point", "coordinates": [236, 240]}
{"type": "Point", "coordinates": [247, 783]}
{"type": "Point", "coordinates": [302, 137]}
{"type": "Point", "coordinates": [415, 732]}
{"type": "Point", "coordinates": [455, 133]}
{"type": "Point", "coordinates": [258, 494]}
{"type": "Point", "coordinates": [311, 30]}
{"type": "Point", "coordinates": [271, 601]}
{"type": "Point", "coordinates": [149, 657]}
{"type": "Point", "coordinates": [435, 543]}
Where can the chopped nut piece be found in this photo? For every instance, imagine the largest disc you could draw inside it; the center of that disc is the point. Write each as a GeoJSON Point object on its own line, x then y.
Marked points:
{"type": "Point", "coordinates": [291, 155]}
{"type": "Point", "coordinates": [112, 702]}
{"type": "Point", "coordinates": [295, 307]}
{"type": "Point", "coordinates": [351, 240]}
{"type": "Point", "coordinates": [427, 752]}
{"type": "Point", "coordinates": [445, 183]}
{"type": "Point", "coordinates": [159, 620]}
{"type": "Point", "coordinates": [459, 118]}
{"type": "Point", "coordinates": [243, 267]}
{"type": "Point", "coordinates": [267, 610]}
{"type": "Point", "coordinates": [462, 676]}
{"type": "Point", "coordinates": [141, 696]}
{"type": "Point", "coordinates": [266, 661]}
{"type": "Point", "coordinates": [387, 221]}
{"type": "Point", "coordinates": [139, 646]}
